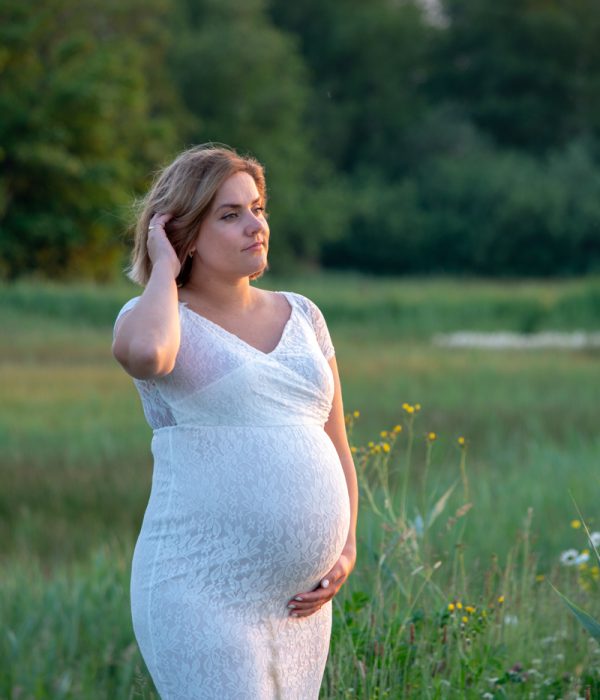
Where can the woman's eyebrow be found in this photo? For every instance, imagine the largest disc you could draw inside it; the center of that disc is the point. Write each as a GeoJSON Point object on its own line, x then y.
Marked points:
{"type": "Point", "coordinates": [235, 206]}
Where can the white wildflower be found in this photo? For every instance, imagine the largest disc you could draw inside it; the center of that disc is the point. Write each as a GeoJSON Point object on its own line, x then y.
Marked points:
{"type": "Point", "coordinates": [582, 558]}
{"type": "Point", "coordinates": [595, 539]}
{"type": "Point", "coordinates": [569, 557]}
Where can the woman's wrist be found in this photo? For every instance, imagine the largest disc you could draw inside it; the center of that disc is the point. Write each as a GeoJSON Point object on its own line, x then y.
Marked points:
{"type": "Point", "coordinates": [165, 265]}
{"type": "Point", "coordinates": [350, 549]}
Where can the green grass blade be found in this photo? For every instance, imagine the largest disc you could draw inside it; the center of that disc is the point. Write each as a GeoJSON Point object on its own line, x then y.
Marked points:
{"type": "Point", "coordinates": [591, 625]}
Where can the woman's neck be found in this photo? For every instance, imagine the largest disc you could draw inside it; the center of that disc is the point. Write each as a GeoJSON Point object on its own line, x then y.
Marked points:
{"type": "Point", "coordinates": [220, 295]}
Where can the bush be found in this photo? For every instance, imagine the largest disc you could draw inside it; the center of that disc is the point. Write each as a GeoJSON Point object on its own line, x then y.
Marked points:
{"type": "Point", "coordinates": [487, 212]}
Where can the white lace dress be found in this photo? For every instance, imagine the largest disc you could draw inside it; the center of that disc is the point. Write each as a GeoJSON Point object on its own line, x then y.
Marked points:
{"type": "Point", "coordinates": [248, 507]}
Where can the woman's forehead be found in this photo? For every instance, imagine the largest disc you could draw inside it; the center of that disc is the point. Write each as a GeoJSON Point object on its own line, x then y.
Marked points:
{"type": "Point", "coordinates": [240, 188]}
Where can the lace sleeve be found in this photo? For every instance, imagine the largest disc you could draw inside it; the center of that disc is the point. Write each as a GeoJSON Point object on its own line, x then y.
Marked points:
{"type": "Point", "coordinates": [157, 411]}
{"type": "Point", "coordinates": [320, 328]}
{"type": "Point", "coordinates": [126, 307]}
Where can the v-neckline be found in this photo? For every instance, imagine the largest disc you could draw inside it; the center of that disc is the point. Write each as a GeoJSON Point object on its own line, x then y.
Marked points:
{"type": "Point", "coordinates": [237, 338]}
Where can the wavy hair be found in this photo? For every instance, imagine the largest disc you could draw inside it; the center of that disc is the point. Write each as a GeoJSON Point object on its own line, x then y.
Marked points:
{"type": "Point", "coordinates": [186, 188]}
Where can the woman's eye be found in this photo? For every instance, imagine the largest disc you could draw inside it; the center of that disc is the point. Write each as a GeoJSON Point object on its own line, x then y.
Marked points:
{"type": "Point", "coordinates": [229, 216]}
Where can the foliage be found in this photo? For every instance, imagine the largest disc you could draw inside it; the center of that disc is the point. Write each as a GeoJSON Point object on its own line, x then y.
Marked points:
{"type": "Point", "coordinates": [491, 213]}
{"type": "Point", "coordinates": [77, 130]}
{"type": "Point", "coordinates": [396, 138]}
{"type": "Point", "coordinates": [524, 71]}
{"type": "Point", "coordinates": [369, 63]}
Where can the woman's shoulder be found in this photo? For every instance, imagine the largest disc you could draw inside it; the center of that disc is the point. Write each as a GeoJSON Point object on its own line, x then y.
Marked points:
{"type": "Point", "coordinates": [127, 306]}
{"type": "Point", "coordinates": [300, 299]}
{"type": "Point", "coordinates": [315, 318]}
{"type": "Point", "coordinates": [307, 305]}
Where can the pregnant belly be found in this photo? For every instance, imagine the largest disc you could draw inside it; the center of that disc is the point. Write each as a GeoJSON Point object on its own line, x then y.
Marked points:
{"type": "Point", "coordinates": [244, 513]}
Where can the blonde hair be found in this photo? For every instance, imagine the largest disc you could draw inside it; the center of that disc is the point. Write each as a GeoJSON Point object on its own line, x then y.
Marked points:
{"type": "Point", "coordinates": [186, 189]}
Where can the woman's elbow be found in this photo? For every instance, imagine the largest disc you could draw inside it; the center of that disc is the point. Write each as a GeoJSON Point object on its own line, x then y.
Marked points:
{"type": "Point", "coordinates": [143, 361]}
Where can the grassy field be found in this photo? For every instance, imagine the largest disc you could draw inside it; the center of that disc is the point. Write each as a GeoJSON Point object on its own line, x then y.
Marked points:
{"type": "Point", "coordinates": [76, 469]}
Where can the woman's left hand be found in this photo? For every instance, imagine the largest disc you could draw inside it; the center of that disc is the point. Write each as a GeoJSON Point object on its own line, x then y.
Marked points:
{"type": "Point", "coordinates": [305, 604]}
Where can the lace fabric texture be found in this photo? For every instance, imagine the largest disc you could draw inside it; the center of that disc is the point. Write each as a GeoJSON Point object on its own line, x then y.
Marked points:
{"type": "Point", "coordinates": [248, 507]}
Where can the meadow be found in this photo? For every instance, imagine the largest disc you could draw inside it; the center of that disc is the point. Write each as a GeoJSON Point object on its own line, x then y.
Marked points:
{"type": "Point", "coordinates": [486, 468]}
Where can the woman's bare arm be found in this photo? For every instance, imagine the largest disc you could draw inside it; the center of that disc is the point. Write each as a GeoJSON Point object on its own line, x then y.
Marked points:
{"type": "Point", "coordinates": [335, 427]}
{"type": "Point", "coordinates": [147, 337]}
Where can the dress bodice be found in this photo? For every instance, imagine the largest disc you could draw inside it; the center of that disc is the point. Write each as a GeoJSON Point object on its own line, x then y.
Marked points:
{"type": "Point", "coordinates": [219, 379]}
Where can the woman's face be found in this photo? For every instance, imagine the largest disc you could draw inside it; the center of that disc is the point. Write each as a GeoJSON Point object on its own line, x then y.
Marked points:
{"type": "Point", "coordinates": [236, 221]}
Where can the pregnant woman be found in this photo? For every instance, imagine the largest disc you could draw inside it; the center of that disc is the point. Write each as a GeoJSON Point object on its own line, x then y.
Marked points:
{"type": "Point", "coordinates": [249, 531]}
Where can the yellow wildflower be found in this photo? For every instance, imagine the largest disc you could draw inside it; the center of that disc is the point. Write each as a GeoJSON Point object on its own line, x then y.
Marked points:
{"type": "Point", "coordinates": [431, 437]}
{"type": "Point", "coordinates": [353, 450]}
{"type": "Point", "coordinates": [501, 599]}
{"type": "Point", "coordinates": [470, 609]}
{"type": "Point", "coordinates": [370, 443]}
{"type": "Point", "coordinates": [451, 607]}
{"type": "Point", "coordinates": [377, 449]}
{"type": "Point", "coordinates": [386, 447]}
{"type": "Point", "coordinates": [356, 414]}
{"type": "Point", "coordinates": [539, 578]}
{"type": "Point", "coordinates": [459, 605]}
{"type": "Point", "coordinates": [383, 433]}
{"type": "Point", "coordinates": [595, 570]}
{"type": "Point", "coordinates": [417, 407]}
{"type": "Point", "coordinates": [465, 619]}
{"type": "Point", "coordinates": [576, 524]}
{"type": "Point", "coordinates": [397, 428]}
{"type": "Point", "coordinates": [461, 441]}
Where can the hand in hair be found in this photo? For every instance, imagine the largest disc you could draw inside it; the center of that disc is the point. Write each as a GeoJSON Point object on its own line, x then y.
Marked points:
{"type": "Point", "coordinates": [159, 246]}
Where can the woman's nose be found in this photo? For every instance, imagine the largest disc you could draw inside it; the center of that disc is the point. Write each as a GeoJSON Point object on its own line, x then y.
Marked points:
{"type": "Point", "coordinates": [255, 223]}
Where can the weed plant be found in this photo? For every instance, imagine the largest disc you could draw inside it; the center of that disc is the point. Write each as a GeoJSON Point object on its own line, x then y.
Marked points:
{"type": "Point", "coordinates": [416, 622]}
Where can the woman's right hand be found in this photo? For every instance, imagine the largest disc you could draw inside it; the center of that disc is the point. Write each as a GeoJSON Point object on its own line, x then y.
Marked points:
{"type": "Point", "coordinates": [158, 244]}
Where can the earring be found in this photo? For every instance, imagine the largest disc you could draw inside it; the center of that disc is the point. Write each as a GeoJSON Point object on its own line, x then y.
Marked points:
{"type": "Point", "coordinates": [191, 253]}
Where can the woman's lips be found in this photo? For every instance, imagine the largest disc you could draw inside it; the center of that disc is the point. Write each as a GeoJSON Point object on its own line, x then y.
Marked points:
{"type": "Point", "coordinates": [256, 246]}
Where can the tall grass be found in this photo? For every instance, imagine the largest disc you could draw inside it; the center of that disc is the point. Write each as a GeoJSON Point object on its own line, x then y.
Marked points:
{"type": "Point", "coordinates": [417, 621]}
{"type": "Point", "coordinates": [75, 473]}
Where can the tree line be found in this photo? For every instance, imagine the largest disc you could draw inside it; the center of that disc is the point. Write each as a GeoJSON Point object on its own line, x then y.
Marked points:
{"type": "Point", "coordinates": [398, 136]}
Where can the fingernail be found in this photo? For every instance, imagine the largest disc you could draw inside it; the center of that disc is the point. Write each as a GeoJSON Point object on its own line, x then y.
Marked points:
{"type": "Point", "coordinates": [325, 583]}
{"type": "Point", "coordinates": [291, 606]}
{"type": "Point", "coordinates": [298, 598]}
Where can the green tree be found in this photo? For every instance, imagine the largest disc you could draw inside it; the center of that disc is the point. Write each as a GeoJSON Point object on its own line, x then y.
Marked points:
{"type": "Point", "coordinates": [78, 129]}
{"type": "Point", "coordinates": [525, 71]}
{"type": "Point", "coordinates": [369, 63]}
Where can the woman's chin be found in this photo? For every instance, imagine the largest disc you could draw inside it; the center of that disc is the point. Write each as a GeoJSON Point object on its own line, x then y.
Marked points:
{"type": "Point", "coordinates": [259, 270]}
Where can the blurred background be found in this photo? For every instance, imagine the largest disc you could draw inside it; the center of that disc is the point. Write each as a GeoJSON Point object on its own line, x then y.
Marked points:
{"type": "Point", "coordinates": [398, 136]}
{"type": "Point", "coordinates": [433, 168]}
